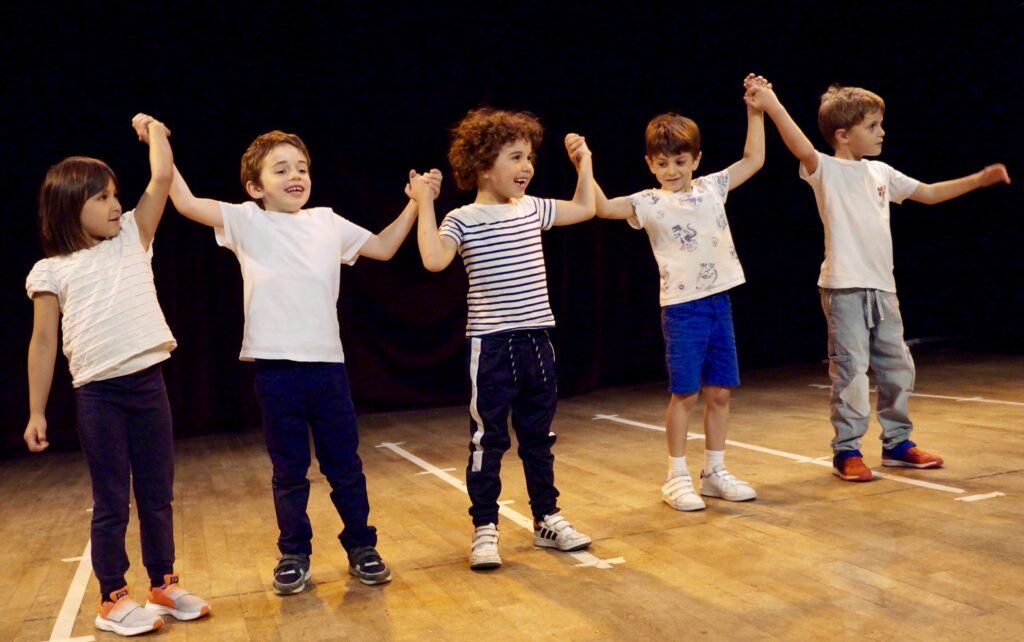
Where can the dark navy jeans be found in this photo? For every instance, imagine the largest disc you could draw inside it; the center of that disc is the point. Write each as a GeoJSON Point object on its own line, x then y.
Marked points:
{"type": "Point", "coordinates": [296, 398]}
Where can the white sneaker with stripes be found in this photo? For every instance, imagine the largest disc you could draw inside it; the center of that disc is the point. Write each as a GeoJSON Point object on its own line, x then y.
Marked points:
{"type": "Point", "coordinates": [483, 555]}
{"type": "Point", "coordinates": [678, 493]}
{"type": "Point", "coordinates": [554, 531]}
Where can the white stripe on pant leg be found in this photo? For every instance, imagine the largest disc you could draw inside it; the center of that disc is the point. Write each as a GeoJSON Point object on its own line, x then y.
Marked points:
{"type": "Point", "coordinates": [474, 369]}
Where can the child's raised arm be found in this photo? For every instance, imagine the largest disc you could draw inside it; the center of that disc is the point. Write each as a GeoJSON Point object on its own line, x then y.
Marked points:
{"type": "Point", "coordinates": [938, 192]}
{"type": "Point", "coordinates": [619, 207]}
{"type": "Point", "coordinates": [384, 245]}
{"type": "Point", "coordinates": [753, 149]}
{"type": "Point", "coordinates": [200, 210]}
{"type": "Point", "coordinates": [42, 354]}
{"type": "Point", "coordinates": [161, 162]}
{"type": "Point", "coordinates": [764, 98]}
{"type": "Point", "coordinates": [581, 207]}
{"type": "Point", "coordinates": [436, 251]}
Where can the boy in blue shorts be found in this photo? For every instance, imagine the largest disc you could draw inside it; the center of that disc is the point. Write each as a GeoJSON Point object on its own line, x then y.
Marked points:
{"type": "Point", "coordinates": [857, 287]}
{"type": "Point", "coordinates": [290, 260]}
{"type": "Point", "coordinates": [697, 261]}
{"type": "Point", "coordinates": [511, 364]}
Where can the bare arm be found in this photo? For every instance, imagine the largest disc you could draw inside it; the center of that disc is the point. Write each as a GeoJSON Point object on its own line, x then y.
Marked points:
{"type": "Point", "coordinates": [620, 207]}
{"type": "Point", "coordinates": [42, 354]}
{"type": "Point", "coordinates": [581, 207]}
{"type": "Point", "coordinates": [383, 246]}
{"type": "Point", "coordinates": [151, 205]}
{"type": "Point", "coordinates": [938, 192]}
{"type": "Point", "coordinates": [765, 99]}
{"type": "Point", "coordinates": [200, 210]}
{"type": "Point", "coordinates": [436, 251]}
{"type": "Point", "coordinates": [753, 150]}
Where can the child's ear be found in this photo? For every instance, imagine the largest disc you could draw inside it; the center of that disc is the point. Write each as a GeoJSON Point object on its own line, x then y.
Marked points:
{"type": "Point", "coordinates": [696, 160]}
{"type": "Point", "coordinates": [650, 163]}
{"type": "Point", "coordinates": [841, 136]}
{"type": "Point", "coordinates": [254, 190]}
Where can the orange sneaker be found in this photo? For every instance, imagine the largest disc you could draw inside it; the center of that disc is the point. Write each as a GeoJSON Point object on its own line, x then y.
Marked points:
{"type": "Point", "coordinates": [850, 466]}
{"type": "Point", "coordinates": [171, 599]}
{"type": "Point", "coordinates": [908, 455]}
{"type": "Point", "coordinates": [123, 615]}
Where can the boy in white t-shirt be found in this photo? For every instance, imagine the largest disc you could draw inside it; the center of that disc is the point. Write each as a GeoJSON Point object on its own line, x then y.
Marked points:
{"type": "Point", "coordinates": [697, 260]}
{"type": "Point", "coordinates": [290, 260]}
{"type": "Point", "coordinates": [858, 291]}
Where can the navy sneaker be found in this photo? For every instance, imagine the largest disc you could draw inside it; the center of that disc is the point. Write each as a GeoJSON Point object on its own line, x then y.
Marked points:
{"type": "Point", "coordinates": [291, 573]}
{"type": "Point", "coordinates": [365, 563]}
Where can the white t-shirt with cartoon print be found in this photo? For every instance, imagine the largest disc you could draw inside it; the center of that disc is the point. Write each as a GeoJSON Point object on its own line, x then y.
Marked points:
{"type": "Point", "coordinates": [853, 201]}
{"type": "Point", "coordinates": [689, 234]}
{"type": "Point", "coordinates": [291, 275]}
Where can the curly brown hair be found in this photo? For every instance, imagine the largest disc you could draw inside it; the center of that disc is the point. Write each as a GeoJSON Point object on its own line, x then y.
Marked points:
{"type": "Point", "coordinates": [252, 159]}
{"type": "Point", "coordinates": [843, 107]}
{"type": "Point", "coordinates": [66, 188]}
{"type": "Point", "coordinates": [672, 134]}
{"type": "Point", "coordinates": [479, 136]}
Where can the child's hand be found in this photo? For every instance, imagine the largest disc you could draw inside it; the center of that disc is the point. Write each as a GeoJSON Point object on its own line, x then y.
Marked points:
{"type": "Point", "coordinates": [423, 187]}
{"type": "Point", "coordinates": [994, 174]}
{"type": "Point", "coordinates": [759, 93]}
{"type": "Point", "coordinates": [35, 434]}
{"type": "Point", "coordinates": [576, 145]}
{"type": "Point", "coordinates": [142, 123]}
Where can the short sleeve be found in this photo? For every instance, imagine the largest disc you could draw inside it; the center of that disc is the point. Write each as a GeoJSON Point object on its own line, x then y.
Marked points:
{"type": "Point", "coordinates": [900, 185]}
{"type": "Point", "coordinates": [451, 227]}
{"type": "Point", "coordinates": [815, 178]}
{"type": "Point", "coordinates": [717, 183]}
{"type": "Point", "coordinates": [352, 237]}
{"type": "Point", "coordinates": [641, 201]}
{"type": "Point", "coordinates": [231, 216]}
{"type": "Point", "coordinates": [130, 232]}
{"type": "Point", "coordinates": [546, 209]}
{"type": "Point", "coordinates": [41, 279]}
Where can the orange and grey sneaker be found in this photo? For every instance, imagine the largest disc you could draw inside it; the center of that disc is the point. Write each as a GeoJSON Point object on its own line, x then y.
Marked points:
{"type": "Point", "coordinates": [849, 465]}
{"type": "Point", "coordinates": [908, 455]}
{"type": "Point", "coordinates": [171, 599]}
{"type": "Point", "coordinates": [123, 615]}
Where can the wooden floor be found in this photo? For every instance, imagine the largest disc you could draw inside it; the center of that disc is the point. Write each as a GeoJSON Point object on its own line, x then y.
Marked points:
{"type": "Point", "coordinates": [812, 558]}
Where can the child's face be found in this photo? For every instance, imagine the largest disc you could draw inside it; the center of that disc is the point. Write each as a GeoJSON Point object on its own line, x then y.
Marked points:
{"type": "Point", "coordinates": [101, 215]}
{"type": "Point", "coordinates": [284, 180]}
{"type": "Point", "coordinates": [673, 171]}
{"type": "Point", "coordinates": [511, 172]}
{"type": "Point", "coordinates": [864, 138]}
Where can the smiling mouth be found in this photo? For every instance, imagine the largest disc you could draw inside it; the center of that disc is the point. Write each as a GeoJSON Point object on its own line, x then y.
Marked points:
{"type": "Point", "coordinates": [521, 182]}
{"type": "Point", "coordinates": [295, 189]}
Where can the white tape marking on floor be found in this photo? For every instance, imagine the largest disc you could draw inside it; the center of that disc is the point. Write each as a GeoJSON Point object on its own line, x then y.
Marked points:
{"type": "Point", "coordinates": [978, 498]}
{"type": "Point", "coordinates": [946, 397]}
{"type": "Point", "coordinates": [84, 638]}
{"type": "Point", "coordinates": [583, 557]}
{"type": "Point", "coordinates": [73, 600]}
{"type": "Point", "coordinates": [820, 461]}
{"type": "Point", "coordinates": [427, 472]}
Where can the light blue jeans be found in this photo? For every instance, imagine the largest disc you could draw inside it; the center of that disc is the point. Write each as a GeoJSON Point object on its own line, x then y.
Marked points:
{"type": "Point", "coordinates": [865, 328]}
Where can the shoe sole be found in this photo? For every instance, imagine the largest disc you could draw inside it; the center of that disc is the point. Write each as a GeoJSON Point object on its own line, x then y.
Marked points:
{"type": "Point", "coordinates": [687, 508]}
{"type": "Point", "coordinates": [546, 543]}
{"type": "Point", "coordinates": [292, 589]}
{"type": "Point", "coordinates": [113, 627]}
{"type": "Point", "coordinates": [896, 463]}
{"type": "Point", "coordinates": [734, 498]}
{"type": "Point", "coordinates": [486, 565]}
{"type": "Point", "coordinates": [370, 579]}
{"type": "Point", "coordinates": [852, 478]}
{"type": "Point", "coordinates": [175, 613]}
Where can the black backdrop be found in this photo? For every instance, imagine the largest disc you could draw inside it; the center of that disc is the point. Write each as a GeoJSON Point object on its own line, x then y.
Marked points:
{"type": "Point", "coordinates": [372, 89]}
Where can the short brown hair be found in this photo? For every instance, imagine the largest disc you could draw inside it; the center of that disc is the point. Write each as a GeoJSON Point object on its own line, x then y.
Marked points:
{"type": "Point", "coordinates": [252, 159]}
{"type": "Point", "coordinates": [66, 188]}
{"type": "Point", "coordinates": [843, 107]}
{"type": "Point", "coordinates": [672, 134]}
{"type": "Point", "coordinates": [479, 136]}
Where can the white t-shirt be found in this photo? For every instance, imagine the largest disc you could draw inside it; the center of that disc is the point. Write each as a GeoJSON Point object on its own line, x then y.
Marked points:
{"type": "Point", "coordinates": [853, 202]}
{"type": "Point", "coordinates": [689, 234]}
{"type": "Point", "coordinates": [501, 248]}
{"type": "Point", "coordinates": [111, 320]}
{"type": "Point", "coordinates": [291, 276]}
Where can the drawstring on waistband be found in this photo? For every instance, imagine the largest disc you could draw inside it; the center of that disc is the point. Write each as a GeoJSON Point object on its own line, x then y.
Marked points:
{"type": "Point", "coordinates": [871, 303]}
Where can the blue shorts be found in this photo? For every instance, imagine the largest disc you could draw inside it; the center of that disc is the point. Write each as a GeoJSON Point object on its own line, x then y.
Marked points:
{"type": "Point", "coordinates": [700, 344]}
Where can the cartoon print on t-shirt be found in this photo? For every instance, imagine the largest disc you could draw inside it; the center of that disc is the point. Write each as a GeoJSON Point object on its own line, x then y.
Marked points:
{"type": "Point", "coordinates": [685, 237]}
{"type": "Point", "coordinates": [707, 276]}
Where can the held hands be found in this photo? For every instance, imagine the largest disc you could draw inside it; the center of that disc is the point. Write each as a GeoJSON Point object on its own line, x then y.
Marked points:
{"type": "Point", "coordinates": [35, 434]}
{"type": "Point", "coordinates": [142, 123]}
{"type": "Point", "coordinates": [423, 187]}
{"type": "Point", "coordinates": [994, 174]}
{"type": "Point", "coordinates": [758, 92]}
{"type": "Point", "coordinates": [576, 146]}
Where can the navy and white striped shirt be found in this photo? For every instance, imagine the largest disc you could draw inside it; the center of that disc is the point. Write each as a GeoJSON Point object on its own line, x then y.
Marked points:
{"type": "Point", "coordinates": [501, 248]}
